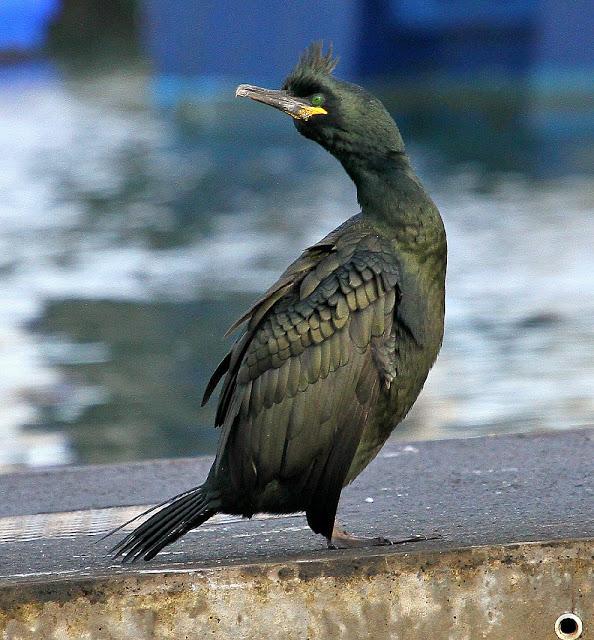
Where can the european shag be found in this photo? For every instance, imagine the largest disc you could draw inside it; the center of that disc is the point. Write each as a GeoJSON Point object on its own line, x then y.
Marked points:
{"type": "Point", "coordinates": [335, 353]}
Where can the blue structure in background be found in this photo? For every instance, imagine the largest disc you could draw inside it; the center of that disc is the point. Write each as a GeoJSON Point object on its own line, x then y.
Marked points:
{"type": "Point", "coordinates": [232, 39]}
{"type": "Point", "coordinates": [23, 24]}
{"type": "Point", "coordinates": [229, 40]}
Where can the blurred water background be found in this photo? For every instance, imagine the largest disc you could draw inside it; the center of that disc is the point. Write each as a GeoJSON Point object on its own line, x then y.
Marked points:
{"type": "Point", "coordinates": [139, 217]}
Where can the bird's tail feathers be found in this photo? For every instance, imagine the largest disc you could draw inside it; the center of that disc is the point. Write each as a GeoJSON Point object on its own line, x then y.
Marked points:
{"type": "Point", "coordinates": [176, 516]}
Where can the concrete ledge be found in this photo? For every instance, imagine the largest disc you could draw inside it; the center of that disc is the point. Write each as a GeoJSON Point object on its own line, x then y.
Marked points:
{"type": "Point", "coordinates": [509, 592]}
{"type": "Point", "coordinates": [515, 515]}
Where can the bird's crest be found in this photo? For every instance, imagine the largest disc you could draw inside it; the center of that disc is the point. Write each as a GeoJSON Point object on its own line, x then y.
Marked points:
{"type": "Point", "coordinates": [313, 61]}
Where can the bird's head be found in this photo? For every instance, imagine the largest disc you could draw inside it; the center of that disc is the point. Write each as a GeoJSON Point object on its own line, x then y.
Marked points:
{"type": "Point", "coordinates": [342, 117]}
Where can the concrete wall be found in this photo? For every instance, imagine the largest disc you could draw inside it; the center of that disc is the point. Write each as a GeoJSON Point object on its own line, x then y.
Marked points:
{"type": "Point", "coordinates": [512, 592]}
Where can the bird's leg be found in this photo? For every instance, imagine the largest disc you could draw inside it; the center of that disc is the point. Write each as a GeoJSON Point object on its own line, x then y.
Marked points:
{"type": "Point", "coordinates": [341, 539]}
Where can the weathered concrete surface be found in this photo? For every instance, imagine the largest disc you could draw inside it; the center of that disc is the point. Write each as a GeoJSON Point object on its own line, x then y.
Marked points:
{"type": "Point", "coordinates": [503, 593]}
{"type": "Point", "coordinates": [515, 515]}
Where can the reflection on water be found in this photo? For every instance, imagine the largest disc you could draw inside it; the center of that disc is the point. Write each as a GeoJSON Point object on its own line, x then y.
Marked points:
{"type": "Point", "coordinates": [131, 238]}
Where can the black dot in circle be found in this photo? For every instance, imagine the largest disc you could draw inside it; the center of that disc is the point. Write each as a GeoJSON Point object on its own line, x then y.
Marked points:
{"type": "Point", "coordinates": [568, 626]}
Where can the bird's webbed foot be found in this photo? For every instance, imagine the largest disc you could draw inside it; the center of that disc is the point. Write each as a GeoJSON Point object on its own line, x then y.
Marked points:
{"type": "Point", "coordinates": [341, 539]}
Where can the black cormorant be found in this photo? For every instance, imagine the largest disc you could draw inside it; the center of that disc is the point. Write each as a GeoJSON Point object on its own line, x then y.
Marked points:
{"type": "Point", "coordinates": [335, 353]}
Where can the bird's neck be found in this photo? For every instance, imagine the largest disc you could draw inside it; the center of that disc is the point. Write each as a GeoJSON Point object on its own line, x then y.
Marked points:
{"type": "Point", "coordinates": [393, 199]}
{"type": "Point", "coordinates": [388, 189]}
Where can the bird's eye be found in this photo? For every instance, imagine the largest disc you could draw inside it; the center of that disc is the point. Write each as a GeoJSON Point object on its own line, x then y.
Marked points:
{"type": "Point", "coordinates": [317, 100]}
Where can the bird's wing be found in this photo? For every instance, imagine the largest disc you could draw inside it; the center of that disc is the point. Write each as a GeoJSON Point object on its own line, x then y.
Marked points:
{"type": "Point", "coordinates": [292, 275]}
{"type": "Point", "coordinates": [301, 380]}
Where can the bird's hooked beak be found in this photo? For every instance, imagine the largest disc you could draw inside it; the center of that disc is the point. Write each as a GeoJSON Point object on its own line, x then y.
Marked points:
{"type": "Point", "coordinates": [297, 108]}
